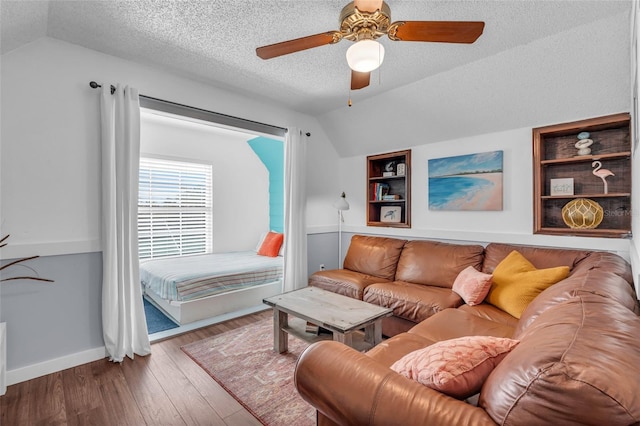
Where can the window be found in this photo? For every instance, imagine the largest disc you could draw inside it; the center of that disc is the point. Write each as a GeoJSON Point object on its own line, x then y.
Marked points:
{"type": "Point", "coordinates": [175, 211]}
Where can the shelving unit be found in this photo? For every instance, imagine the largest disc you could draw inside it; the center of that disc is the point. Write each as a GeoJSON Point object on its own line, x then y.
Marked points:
{"type": "Point", "coordinates": [389, 193]}
{"type": "Point", "coordinates": [555, 156]}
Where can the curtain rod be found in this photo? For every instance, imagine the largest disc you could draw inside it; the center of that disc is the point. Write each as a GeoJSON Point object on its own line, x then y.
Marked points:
{"type": "Point", "coordinates": [202, 114]}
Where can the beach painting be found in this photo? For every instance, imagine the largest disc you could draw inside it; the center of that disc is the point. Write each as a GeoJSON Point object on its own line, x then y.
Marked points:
{"type": "Point", "coordinates": [466, 182]}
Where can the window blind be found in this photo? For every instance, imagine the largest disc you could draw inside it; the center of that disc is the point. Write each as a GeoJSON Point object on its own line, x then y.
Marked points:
{"type": "Point", "coordinates": [175, 208]}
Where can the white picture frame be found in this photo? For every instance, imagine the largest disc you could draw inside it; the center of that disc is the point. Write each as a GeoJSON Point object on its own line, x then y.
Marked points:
{"type": "Point", "coordinates": [390, 214]}
{"type": "Point", "coordinates": [561, 186]}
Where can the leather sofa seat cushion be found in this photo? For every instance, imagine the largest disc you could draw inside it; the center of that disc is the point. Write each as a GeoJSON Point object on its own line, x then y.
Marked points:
{"type": "Point", "coordinates": [491, 313]}
{"type": "Point", "coordinates": [454, 323]}
{"type": "Point", "coordinates": [413, 302]}
{"type": "Point", "coordinates": [435, 263]}
{"type": "Point", "coordinates": [540, 257]}
{"type": "Point", "coordinates": [389, 351]}
{"type": "Point", "coordinates": [375, 256]}
{"type": "Point", "coordinates": [563, 366]}
{"type": "Point", "coordinates": [343, 281]}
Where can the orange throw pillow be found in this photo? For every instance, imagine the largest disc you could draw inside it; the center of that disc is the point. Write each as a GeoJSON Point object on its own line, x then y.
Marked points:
{"type": "Point", "coordinates": [271, 244]}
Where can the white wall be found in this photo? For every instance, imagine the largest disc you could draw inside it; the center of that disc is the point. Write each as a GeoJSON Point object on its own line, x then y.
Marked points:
{"type": "Point", "coordinates": [240, 179]}
{"type": "Point", "coordinates": [514, 224]}
{"type": "Point", "coordinates": [50, 189]}
{"type": "Point", "coordinates": [50, 171]}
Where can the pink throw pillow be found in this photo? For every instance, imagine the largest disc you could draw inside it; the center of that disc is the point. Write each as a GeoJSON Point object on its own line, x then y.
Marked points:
{"type": "Point", "coordinates": [456, 367]}
{"type": "Point", "coordinates": [472, 285]}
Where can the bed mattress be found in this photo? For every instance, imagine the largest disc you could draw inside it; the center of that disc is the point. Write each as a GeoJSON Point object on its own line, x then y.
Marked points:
{"type": "Point", "coordinates": [193, 277]}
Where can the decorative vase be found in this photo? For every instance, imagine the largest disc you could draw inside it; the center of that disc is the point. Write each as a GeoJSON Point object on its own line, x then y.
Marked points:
{"type": "Point", "coordinates": [582, 213]}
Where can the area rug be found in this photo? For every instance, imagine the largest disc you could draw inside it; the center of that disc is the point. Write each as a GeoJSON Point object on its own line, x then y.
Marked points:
{"type": "Point", "coordinates": [243, 362]}
{"type": "Point", "coordinates": [156, 320]}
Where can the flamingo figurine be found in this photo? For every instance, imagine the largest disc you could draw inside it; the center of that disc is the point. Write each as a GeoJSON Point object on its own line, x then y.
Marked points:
{"type": "Point", "coordinates": [602, 174]}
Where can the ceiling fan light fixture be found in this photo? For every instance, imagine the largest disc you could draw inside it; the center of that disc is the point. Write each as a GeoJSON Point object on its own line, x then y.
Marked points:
{"type": "Point", "coordinates": [365, 55]}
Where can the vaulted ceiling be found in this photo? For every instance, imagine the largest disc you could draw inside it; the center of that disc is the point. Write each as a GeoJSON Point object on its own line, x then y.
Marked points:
{"type": "Point", "coordinates": [214, 41]}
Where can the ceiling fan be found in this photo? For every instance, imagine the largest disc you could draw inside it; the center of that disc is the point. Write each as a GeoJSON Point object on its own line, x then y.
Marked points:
{"type": "Point", "coordinates": [363, 21]}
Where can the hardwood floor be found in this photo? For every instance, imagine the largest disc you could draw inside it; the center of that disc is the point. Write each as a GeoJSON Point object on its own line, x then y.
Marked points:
{"type": "Point", "coordinates": [164, 388]}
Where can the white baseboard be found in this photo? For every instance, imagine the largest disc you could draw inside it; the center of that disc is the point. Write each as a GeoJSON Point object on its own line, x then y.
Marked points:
{"type": "Point", "coordinates": [51, 366]}
{"type": "Point", "coordinates": [58, 364]}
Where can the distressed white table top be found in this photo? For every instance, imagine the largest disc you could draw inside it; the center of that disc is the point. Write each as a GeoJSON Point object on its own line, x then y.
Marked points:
{"type": "Point", "coordinates": [330, 310]}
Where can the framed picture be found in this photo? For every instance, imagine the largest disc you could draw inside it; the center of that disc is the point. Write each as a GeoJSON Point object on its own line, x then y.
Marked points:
{"type": "Point", "coordinates": [466, 182]}
{"type": "Point", "coordinates": [563, 186]}
{"type": "Point", "coordinates": [390, 214]}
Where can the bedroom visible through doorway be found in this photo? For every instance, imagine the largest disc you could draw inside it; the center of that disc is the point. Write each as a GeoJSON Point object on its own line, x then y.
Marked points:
{"type": "Point", "coordinates": [246, 192]}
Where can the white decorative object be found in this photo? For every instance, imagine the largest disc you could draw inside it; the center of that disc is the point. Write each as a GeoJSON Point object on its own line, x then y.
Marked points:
{"type": "Point", "coordinates": [400, 169]}
{"type": "Point", "coordinates": [562, 186]}
{"type": "Point", "coordinates": [602, 174]}
{"type": "Point", "coordinates": [584, 143]}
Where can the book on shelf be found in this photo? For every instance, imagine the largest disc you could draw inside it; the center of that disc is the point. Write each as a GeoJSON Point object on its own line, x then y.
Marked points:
{"type": "Point", "coordinates": [379, 191]}
{"type": "Point", "coordinates": [391, 197]}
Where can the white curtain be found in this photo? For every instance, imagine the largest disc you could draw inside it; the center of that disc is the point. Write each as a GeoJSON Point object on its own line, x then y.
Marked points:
{"type": "Point", "coordinates": [123, 319]}
{"type": "Point", "coordinates": [295, 228]}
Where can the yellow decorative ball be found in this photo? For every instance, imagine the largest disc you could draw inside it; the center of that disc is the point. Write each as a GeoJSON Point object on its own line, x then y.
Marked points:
{"type": "Point", "coordinates": [582, 213]}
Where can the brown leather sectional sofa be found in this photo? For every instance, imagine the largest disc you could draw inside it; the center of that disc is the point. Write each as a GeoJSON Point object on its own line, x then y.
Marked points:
{"type": "Point", "coordinates": [577, 361]}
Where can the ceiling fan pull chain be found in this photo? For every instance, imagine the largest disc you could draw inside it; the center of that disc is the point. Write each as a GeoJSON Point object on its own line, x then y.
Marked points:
{"type": "Point", "coordinates": [349, 103]}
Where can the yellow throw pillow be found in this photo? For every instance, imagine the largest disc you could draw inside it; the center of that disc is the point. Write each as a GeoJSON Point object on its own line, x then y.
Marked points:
{"type": "Point", "coordinates": [516, 282]}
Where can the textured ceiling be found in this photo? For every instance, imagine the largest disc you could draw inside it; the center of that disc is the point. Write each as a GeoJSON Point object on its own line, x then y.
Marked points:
{"type": "Point", "coordinates": [214, 41]}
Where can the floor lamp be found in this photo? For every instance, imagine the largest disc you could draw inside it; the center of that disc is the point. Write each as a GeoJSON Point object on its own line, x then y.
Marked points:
{"type": "Point", "coordinates": [341, 205]}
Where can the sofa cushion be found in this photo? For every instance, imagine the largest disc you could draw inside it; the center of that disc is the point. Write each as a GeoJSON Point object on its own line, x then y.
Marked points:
{"type": "Point", "coordinates": [597, 281]}
{"type": "Point", "coordinates": [516, 282]}
{"type": "Point", "coordinates": [435, 263]}
{"type": "Point", "coordinates": [413, 302]}
{"type": "Point", "coordinates": [390, 350]}
{"type": "Point", "coordinates": [456, 367]}
{"type": "Point", "coordinates": [472, 285]}
{"type": "Point", "coordinates": [343, 281]}
{"type": "Point", "coordinates": [454, 323]}
{"type": "Point", "coordinates": [569, 368]}
{"type": "Point", "coordinates": [540, 257]}
{"type": "Point", "coordinates": [492, 313]}
{"type": "Point", "coordinates": [375, 256]}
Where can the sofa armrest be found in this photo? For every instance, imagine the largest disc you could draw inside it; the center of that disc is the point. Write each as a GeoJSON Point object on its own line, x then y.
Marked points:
{"type": "Point", "coordinates": [350, 388]}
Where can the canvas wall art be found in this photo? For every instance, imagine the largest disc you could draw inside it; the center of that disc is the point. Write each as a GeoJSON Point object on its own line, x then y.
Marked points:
{"type": "Point", "coordinates": [466, 182]}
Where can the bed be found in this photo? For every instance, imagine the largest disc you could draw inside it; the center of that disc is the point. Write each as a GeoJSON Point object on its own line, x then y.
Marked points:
{"type": "Point", "coordinates": [192, 288]}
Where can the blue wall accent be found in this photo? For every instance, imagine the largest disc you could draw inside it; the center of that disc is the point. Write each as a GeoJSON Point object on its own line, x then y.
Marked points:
{"type": "Point", "coordinates": [271, 153]}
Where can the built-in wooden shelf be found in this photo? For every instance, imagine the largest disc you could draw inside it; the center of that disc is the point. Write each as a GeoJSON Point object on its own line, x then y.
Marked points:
{"type": "Point", "coordinates": [393, 213]}
{"type": "Point", "coordinates": [555, 156]}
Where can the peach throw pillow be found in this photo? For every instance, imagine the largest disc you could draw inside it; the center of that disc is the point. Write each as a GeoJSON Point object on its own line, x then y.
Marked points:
{"type": "Point", "coordinates": [472, 285]}
{"type": "Point", "coordinates": [516, 282]}
{"type": "Point", "coordinates": [456, 367]}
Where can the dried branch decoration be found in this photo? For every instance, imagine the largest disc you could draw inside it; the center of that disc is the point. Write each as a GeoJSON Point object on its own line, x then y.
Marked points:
{"type": "Point", "coordinates": [19, 261]}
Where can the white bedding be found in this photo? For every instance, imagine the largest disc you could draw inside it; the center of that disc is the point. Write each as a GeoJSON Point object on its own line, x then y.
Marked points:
{"type": "Point", "coordinates": [193, 277]}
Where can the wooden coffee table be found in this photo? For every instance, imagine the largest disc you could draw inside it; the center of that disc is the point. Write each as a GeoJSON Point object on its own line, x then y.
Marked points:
{"type": "Point", "coordinates": [341, 315]}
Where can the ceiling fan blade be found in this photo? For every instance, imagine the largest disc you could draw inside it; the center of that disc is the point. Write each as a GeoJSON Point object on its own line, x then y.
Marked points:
{"type": "Point", "coordinates": [368, 5]}
{"type": "Point", "coordinates": [298, 44]}
{"type": "Point", "coordinates": [359, 79]}
{"type": "Point", "coordinates": [437, 31]}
